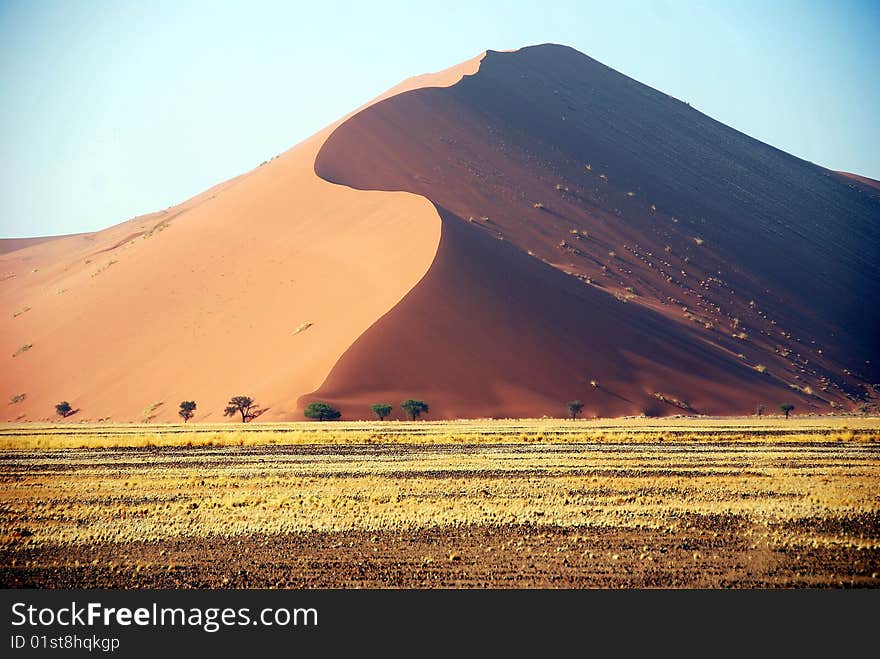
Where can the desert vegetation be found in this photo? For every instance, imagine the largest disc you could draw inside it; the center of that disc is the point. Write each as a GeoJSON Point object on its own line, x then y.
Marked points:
{"type": "Point", "coordinates": [151, 411]}
{"type": "Point", "coordinates": [321, 412]}
{"type": "Point", "coordinates": [187, 410]}
{"type": "Point", "coordinates": [414, 408]}
{"type": "Point", "coordinates": [243, 405]}
{"type": "Point", "coordinates": [574, 408]}
{"type": "Point", "coordinates": [381, 410]}
{"type": "Point", "coordinates": [637, 502]}
{"type": "Point", "coordinates": [63, 409]}
{"type": "Point", "coordinates": [634, 430]}
{"type": "Point", "coordinates": [23, 349]}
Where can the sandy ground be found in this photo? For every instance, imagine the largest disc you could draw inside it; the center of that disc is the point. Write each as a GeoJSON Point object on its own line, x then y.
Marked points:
{"type": "Point", "coordinates": [708, 551]}
{"type": "Point", "coordinates": [684, 514]}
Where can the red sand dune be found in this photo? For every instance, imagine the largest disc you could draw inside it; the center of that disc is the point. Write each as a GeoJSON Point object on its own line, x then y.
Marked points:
{"type": "Point", "coordinates": [202, 301]}
{"type": "Point", "coordinates": [490, 239]}
{"type": "Point", "coordinates": [14, 244]}
{"type": "Point", "coordinates": [753, 256]}
{"type": "Point", "coordinates": [864, 180]}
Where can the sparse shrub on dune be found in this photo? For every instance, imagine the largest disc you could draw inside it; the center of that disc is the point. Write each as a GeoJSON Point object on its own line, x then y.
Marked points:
{"type": "Point", "coordinates": [149, 412]}
{"type": "Point", "coordinates": [22, 349]}
{"type": "Point", "coordinates": [414, 408]}
{"type": "Point", "coordinates": [104, 267]}
{"type": "Point", "coordinates": [321, 412]}
{"type": "Point", "coordinates": [672, 400]}
{"type": "Point", "coordinates": [243, 405]}
{"type": "Point", "coordinates": [574, 408]}
{"type": "Point", "coordinates": [187, 410]}
{"type": "Point", "coordinates": [63, 409]}
{"type": "Point", "coordinates": [381, 410]}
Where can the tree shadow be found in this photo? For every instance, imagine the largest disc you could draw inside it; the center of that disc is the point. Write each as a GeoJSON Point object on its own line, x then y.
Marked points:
{"type": "Point", "coordinates": [256, 412]}
{"type": "Point", "coordinates": [615, 395]}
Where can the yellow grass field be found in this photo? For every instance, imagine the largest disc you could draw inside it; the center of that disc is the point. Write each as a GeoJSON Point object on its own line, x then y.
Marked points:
{"type": "Point", "coordinates": [631, 502]}
{"type": "Point", "coordinates": [634, 429]}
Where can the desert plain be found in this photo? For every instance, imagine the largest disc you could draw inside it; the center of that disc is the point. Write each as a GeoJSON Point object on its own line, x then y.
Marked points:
{"type": "Point", "coordinates": [646, 503]}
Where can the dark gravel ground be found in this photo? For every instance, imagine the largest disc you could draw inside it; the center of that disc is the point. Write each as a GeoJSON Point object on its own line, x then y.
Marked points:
{"type": "Point", "coordinates": [705, 551]}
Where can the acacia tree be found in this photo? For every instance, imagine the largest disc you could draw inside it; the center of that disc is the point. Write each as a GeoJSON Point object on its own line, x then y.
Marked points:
{"type": "Point", "coordinates": [574, 408]}
{"type": "Point", "coordinates": [243, 405]}
{"type": "Point", "coordinates": [414, 408]}
{"type": "Point", "coordinates": [63, 409]}
{"type": "Point", "coordinates": [759, 411]}
{"type": "Point", "coordinates": [381, 410]}
{"type": "Point", "coordinates": [786, 408]}
{"type": "Point", "coordinates": [322, 412]}
{"type": "Point", "coordinates": [187, 410]}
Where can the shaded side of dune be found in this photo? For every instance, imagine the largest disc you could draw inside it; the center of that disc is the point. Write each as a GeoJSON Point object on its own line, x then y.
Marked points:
{"type": "Point", "coordinates": [14, 244]}
{"type": "Point", "coordinates": [491, 331]}
{"type": "Point", "coordinates": [719, 270]}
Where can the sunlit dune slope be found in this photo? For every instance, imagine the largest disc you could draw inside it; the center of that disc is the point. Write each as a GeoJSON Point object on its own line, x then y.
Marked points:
{"type": "Point", "coordinates": [254, 287]}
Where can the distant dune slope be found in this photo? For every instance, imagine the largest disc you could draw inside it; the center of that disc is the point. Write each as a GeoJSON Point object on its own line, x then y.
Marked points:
{"type": "Point", "coordinates": [517, 231]}
{"type": "Point", "coordinates": [254, 287]}
{"type": "Point", "coordinates": [12, 244]}
{"type": "Point", "coordinates": [708, 266]}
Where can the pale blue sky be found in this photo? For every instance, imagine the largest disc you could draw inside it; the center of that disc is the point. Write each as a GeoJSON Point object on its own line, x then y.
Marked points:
{"type": "Point", "coordinates": [113, 109]}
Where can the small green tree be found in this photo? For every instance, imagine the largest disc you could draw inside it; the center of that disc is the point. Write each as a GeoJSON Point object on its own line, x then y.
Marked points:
{"type": "Point", "coordinates": [786, 408]}
{"type": "Point", "coordinates": [574, 408]}
{"type": "Point", "coordinates": [64, 409]}
{"type": "Point", "coordinates": [243, 405]}
{"type": "Point", "coordinates": [321, 412]}
{"type": "Point", "coordinates": [414, 408]}
{"type": "Point", "coordinates": [381, 410]}
{"type": "Point", "coordinates": [187, 410]}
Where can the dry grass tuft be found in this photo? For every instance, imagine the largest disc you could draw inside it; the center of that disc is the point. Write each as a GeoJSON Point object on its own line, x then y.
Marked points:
{"type": "Point", "coordinates": [22, 349]}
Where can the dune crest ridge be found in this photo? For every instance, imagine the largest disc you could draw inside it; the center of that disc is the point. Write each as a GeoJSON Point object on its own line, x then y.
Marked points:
{"type": "Point", "coordinates": [604, 241]}
{"type": "Point", "coordinates": [255, 286]}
